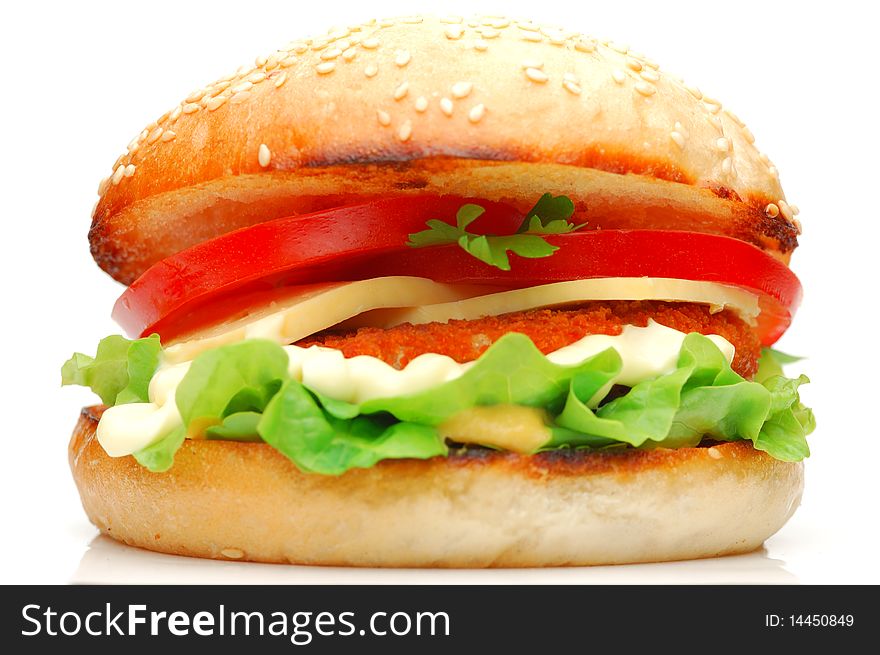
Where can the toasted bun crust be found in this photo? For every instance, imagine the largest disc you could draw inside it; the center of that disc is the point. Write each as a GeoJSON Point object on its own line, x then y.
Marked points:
{"type": "Point", "coordinates": [230, 500]}
{"type": "Point", "coordinates": [488, 107]}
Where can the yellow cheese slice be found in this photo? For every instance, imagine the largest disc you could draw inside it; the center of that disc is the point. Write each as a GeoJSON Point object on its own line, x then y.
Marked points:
{"type": "Point", "coordinates": [717, 296]}
{"type": "Point", "coordinates": [303, 311]}
{"type": "Point", "coordinates": [389, 301]}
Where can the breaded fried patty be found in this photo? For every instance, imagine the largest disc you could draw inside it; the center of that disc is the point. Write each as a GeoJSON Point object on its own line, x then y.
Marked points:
{"type": "Point", "coordinates": [549, 329]}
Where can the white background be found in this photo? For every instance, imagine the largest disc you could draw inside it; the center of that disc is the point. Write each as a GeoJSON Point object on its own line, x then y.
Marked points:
{"type": "Point", "coordinates": [80, 79]}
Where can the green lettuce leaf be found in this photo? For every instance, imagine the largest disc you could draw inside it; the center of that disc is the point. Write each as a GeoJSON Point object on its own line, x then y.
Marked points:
{"type": "Point", "coordinates": [511, 371]}
{"type": "Point", "coordinates": [241, 426]}
{"type": "Point", "coordinates": [702, 397]}
{"type": "Point", "coordinates": [243, 391]}
{"type": "Point", "coordinates": [771, 363]}
{"type": "Point", "coordinates": [159, 457]}
{"type": "Point", "coordinates": [295, 424]}
{"type": "Point", "coordinates": [240, 377]}
{"type": "Point", "coordinates": [120, 371]}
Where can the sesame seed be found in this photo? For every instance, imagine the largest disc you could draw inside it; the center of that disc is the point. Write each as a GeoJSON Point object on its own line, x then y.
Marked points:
{"type": "Point", "coordinates": [535, 37]}
{"type": "Point", "coordinates": [117, 174]}
{"type": "Point", "coordinates": [129, 170]}
{"type": "Point", "coordinates": [571, 87]}
{"type": "Point", "coordinates": [764, 158]}
{"type": "Point", "coordinates": [176, 113]}
{"type": "Point", "coordinates": [280, 80]}
{"type": "Point", "coordinates": [154, 135]}
{"type": "Point", "coordinates": [722, 144]}
{"type": "Point", "coordinates": [537, 75]}
{"type": "Point", "coordinates": [680, 129]}
{"type": "Point", "coordinates": [190, 108]}
{"type": "Point", "coordinates": [713, 118]}
{"type": "Point", "coordinates": [325, 67]}
{"type": "Point", "coordinates": [454, 32]}
{"type": "Point", "coordinates": [102, 185]}
{"type": "Point", "coordinates": [299, 48]}
{"type": "Point", "coordinates": [726, 165]}
{"type": "Point", "coordinates": [645, 88]}
{"type": "Point", "coordinates": [747, 135]}
{"type": "Point", "coordinates": [320, 44]}
{"type": "Point", "coordinates": [618, 75]}
{"type": "Point", "coordinates": [421, 104]}
{"type": "Point", "coordinates": [264, 155]}
{"type": "Point", "coordinates": [712, 105]}
{"type": "Point", "coordinates": [677, 138]}
{"type": "Point", "coordinates": [785, 210]}
{"type": "Point", "coordinates": [651, 64]}
{"type": "Point", "coordinates": [481, 45]}
{"type": "Point", "coordinates": [215, 103]}
{"type": "Point", "coordinates": [694, 91]}
{"type": "Point", "coordinates": [650, 75]}
{"type": "Point", "coordinates": [736, 119]}
{"type": "Point", "coordinates": [401, 91]}
{"type": "Point", "coordinates": [771, 210]}
{"type": "Point", "coordinates": [570, 77]}
{"type": "Point", "coordinates": [144, 134]}
{"type": "Point", "coordinates": [349, 53]}
{"type": "Point", "coordinates": [239, 98]}
{"type": "Point", "coordinates": [489, 33]}
{"type": "Point", "coordinates": [371, 70]}
{"type": "Point", "coordinates": [446, 106]}
{"type": "Point", "coordinates": [405, 131]}
{"type": "Point", "coordinates": [256, 78]}
{"type": "Point", "coordinates": [402, 58]}
{"type": "Point", "coordinates": [795, 209]}
{"type": "Point", "coordinates": [232, 553]}
{"type": "Point", "coordinates": [528, 27]}
{"type": "Point", "coordinates": [195, 96]}
{"type": "Point", "coordinates": [461, 89]}
{"type": "Point", "coordinates": [383, 117]}
{"type": "Point", "coordinates": [714, 453]}
{"type": "Point", "coordinates": [475, 115]}
{"type": "Point", "coordinates": [261, 60]}
{"type": "Point", "coordinates": [275, 58]}
{"type": "Point", "coordinates": [242, 86]}
{"type": "Point", "coordinates": [411, 20]}
{"type": "Point", "coordinates": [584, 46]}
{"type": "Point", "coordinates": [634, 64]}
{"type": "Point", "coordinates": [168, 135]}
{"type": "Point", "coordinates": [218, 87]}
{"type": "Point", "coordinates": [287, 62]}
{"type": "Point", "coordinates": [532, 63]}
{"type": "Point", "coordinates": [451, 20]}
{"type": "Point", "coordinates": [370, 43]}
{"type": "Point", "coordinates": [794, 221]}
{"type": "Point", "coordinates": [618, 47]}
{"type": "Point", "coordinates": [330, 54]}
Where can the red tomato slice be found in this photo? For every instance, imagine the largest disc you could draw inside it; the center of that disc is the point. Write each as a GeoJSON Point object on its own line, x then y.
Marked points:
{"type": "Point", "coordinates": [614, 253]}
{"type": "Point", "coordinates": [220, 276]}
{"type": "Point", "coordinates": [264, 253]}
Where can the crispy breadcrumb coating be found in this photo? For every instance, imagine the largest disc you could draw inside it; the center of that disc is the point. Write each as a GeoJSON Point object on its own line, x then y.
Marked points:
{"type": "Point", "coordinates": [549, 329]}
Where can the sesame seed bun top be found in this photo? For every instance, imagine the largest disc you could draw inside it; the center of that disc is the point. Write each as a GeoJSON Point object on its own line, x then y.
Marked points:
{"type": "Point", "coordinates": [481, 107]}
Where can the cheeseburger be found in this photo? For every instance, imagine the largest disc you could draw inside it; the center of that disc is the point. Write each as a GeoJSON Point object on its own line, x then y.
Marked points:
{"type": "Point", "coordinates": [444, 292]}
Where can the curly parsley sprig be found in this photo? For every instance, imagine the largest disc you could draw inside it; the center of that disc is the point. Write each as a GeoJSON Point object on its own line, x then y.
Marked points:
{"type": "Point", "coordinates": [549, 216]}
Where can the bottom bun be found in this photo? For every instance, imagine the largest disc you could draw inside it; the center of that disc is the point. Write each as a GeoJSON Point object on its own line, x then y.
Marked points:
{"type": "Point", "coordinates": [475, 508]}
